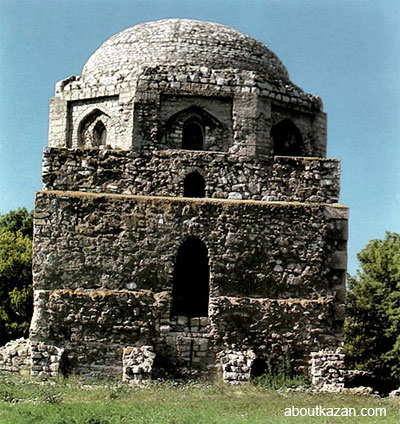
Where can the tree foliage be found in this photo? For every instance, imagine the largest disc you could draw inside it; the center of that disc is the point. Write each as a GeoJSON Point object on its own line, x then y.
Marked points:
{"type": "Point", "coordinates": [372, 327]}
{"type": "Point", "coordinates": [15, 274]}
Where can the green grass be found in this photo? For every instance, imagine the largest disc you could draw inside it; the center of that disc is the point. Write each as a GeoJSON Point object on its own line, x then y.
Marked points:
{"type": "Point", "coordinates": [75, 401]}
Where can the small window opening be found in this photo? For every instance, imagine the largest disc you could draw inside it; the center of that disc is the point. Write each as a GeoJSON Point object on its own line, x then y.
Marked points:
{"type": "Point", "coordinates": [100, 134]}
{"type": "Point", "coordinates": [193, 135]}
{"type": "Point", "coordinates": [258, 368]}
{"type": "Point", "coordinates": [66, 365]}
{"type": "Point", "coordinates": [287, 139]}
{"type": "Point", "coordinates": [194, 185]}
{"type": "Point", "coordinates": [190, 290]}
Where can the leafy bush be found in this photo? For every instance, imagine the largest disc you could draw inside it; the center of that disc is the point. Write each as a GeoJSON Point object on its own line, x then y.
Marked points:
{"type": "Point", "coordinates": [15, 274]}
{"type": "Point", "coordinates": [372, 327]}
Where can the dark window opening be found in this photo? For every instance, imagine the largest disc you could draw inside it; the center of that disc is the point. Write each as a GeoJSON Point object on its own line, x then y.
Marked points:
{"type": "Point", "coordinates": [287, 139]}
{"type": "Point", "coordinates": [100, 134]}
{"type": "Point", "coordinates": [194, 185]}
{"type": "Point", "coordinates": [66, 365]}
{"type": "Point", "coordinates": [190, 290]}
{"type": "Point", "coordinates": [258, 368]}
{"type": "Point", "coordinates": [193, 135]}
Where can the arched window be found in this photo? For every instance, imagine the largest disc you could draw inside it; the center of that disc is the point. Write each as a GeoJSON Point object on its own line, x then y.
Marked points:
{"type": "Point", "coordinates": [92, 130]}
{"type": "Point", "coordinates": [190, 290]}
{"type": "Point", "coordinates": [193, 135]}
{"type": "Point", "coordinates": [99, 134]}
{"type": "Point", "coordinates": [287, 139]}
{"type": "Point", "coordinates": [194, 185]}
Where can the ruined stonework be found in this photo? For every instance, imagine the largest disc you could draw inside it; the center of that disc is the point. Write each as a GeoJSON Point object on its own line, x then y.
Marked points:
{"type": "Point", "coordinates": [137, 363]}
{"type": "Point", "coordinates": [236, 365]}
{"type": "Point", "coordinates": [327, 370]}
{"type": "Point", "coordinates": [189, 221]}
{"type": "Point", "coordinates": [15, 356]}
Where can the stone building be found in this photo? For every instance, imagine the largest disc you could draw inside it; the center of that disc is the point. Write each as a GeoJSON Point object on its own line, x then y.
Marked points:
{"type": "Point", "coordinates": [188, 221]}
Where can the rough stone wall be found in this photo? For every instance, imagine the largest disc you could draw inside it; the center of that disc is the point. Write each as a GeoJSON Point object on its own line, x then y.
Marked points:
{"type": "Point", "coordinates": [15, 356]}
{"type": "Point", "coordinates": [136, 364]}
{"type": "Point", "coordinates": [194, 80]}
{"type": "Point", "coordinates": [236, 365]}
{"type": "Point", "coordinates": [45, 359]}
{"type": "Point", "coordinates": [327, 370]}
{"type": "Point", "coordinates": [162, 173]}
{"type": "Point", "coordinates": [191, 338]}
{"type": "Point", "coordinates": [273, 266]}
{"type": "Point", "coordinates": [140, 118]}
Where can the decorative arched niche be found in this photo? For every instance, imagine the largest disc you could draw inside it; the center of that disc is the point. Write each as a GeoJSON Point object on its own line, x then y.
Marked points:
{"type": "Point", "coordinates": [196, 129]}
{"type": "Point", "coordinates": [92, 130]}
{"type": "Point", "coordinates": [191, 280]}
{"type": "Point", "coordinates": [287, 139]}
{"type": "Point", "coordinates": [193, 134]}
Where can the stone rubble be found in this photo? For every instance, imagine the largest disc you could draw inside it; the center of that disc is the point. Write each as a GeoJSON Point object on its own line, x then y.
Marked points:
{"type": "Point", "coordinates": [137, 364]}
{"type": "Point", "coordinates": [15, 356]}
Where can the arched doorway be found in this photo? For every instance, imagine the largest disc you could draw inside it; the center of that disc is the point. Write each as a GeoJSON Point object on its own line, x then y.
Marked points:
{"type": "Point", "coordinates": [194, 185]}
{"type": "Point", "coordinates": [193, 135]}
{"type": "Point", "coordinates": [190, 289]}
{"type": "Point", "coordinates": [287, 139]}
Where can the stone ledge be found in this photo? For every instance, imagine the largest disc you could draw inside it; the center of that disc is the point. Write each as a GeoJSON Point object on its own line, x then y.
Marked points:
{"type": "Point", "coordinates": [198, 201]}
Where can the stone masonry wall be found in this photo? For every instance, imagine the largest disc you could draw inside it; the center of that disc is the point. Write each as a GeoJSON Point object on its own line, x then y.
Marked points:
{"type": "Point", "coordinates": [275, 276]}
{"type": "Point", "coordinates": [140, 118]}
{"type": "Point", "coordinates": [46, 359]}
{"type": "Point", "coordinates": [236, 365]}
{"type": "Point", "coordinates": [162, 173]}
{"type": "Point", "coordinates": [327, 370]}
{"type": "Point", "coordinates": [15, 356]}
{"type": "Point", "coordinates": [136, 364]}
{"type": "Point", "coordinates": [199, 80]}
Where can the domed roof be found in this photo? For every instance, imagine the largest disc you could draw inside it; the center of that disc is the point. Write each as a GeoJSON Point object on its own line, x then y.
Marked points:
{"type": "Point", "coordinates": [181, 42]}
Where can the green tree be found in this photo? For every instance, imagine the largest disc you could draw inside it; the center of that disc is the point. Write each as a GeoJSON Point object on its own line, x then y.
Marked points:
{"type": "Point", "coordinates": [372, 327]}
{"type": "Point", "coordinates": [15, 274]}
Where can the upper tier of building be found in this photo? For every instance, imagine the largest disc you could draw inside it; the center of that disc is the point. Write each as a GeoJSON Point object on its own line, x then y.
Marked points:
{"type": "Point", "coordinates": [180, 84]}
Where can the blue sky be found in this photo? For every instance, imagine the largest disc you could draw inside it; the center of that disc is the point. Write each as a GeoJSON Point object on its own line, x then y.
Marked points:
{"type": "Point", "coordinates": [346, 51]}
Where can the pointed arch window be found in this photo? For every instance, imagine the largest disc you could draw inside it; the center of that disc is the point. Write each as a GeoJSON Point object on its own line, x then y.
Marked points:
{"type": "Point", "coordinates": [287, 139]}
{"type": "Point", "coordinates": [190, 289]}
{"type": "Point", "coordinates": [194, 185]}
{"type": "Point", "coordinates": [193, 134]}
{"type": "Point", "coordinates": [92, 130]}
